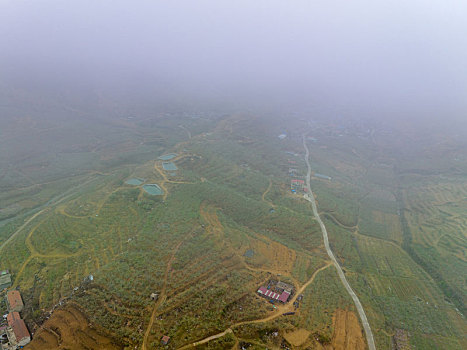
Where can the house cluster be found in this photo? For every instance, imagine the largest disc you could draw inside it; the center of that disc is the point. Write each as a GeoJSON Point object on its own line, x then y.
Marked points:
{"type": "Point", "coordinates": [276, 291]}
{"type": "Point", "coordinates": [14, 335]}
{"type": "Point", "coordinates": [297, 185]}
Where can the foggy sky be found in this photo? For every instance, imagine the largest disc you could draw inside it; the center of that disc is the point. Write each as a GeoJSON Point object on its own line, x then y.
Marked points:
{"type": "Point", "coordinates": [375, 58]}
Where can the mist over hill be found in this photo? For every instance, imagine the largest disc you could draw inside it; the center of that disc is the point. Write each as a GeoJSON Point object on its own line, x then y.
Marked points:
{"type": "Point", "coordinates": [397, 61]}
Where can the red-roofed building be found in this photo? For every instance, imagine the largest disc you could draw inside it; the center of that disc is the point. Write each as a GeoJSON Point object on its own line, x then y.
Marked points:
{"type": "Point", "coordinates": [18, 334]}
{"type": "Point", "coordinates": [299, 182]}
{"type": "Point", "coordinates": [12, 317]}
{"type": "Point", "coordinates": [14, 301]}
{"type": "Point", "coordinates": [284, 297]}
{"type": "Point", "coordinates": [268, 293]}
{"type": "Point", "coordinates": [279, 291]}
{"type": "Point", "coordinates": [297, 185]}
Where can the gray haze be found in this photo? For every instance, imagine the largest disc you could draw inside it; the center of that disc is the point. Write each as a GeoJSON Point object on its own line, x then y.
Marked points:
{"type": "Point", "coordinates": [371, 58]}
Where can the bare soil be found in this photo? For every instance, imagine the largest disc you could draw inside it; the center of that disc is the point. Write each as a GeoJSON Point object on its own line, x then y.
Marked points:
{"type": "Point", "coordinates": [348, 333]}
{"type": "Point", "coordinates": [68, 328]}
{"type": "Point", "coordinates": [298, 337]}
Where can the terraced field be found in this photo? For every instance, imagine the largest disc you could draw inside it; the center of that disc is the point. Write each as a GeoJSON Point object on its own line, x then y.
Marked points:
{"type": "Point", "coordinates": [227, 223]}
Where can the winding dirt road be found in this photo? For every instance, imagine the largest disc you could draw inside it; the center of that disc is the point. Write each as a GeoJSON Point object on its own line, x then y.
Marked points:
{"type": "Point", "coordinates": [279, 311]}
{"type": "Point", "coordinates": [310, 197]}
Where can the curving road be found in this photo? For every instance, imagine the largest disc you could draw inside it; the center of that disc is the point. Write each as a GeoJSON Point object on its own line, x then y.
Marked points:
{"type": "Point", "coordinates": [310, 197]}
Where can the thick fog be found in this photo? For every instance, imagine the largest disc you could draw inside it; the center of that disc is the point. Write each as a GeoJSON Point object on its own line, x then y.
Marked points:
{"type": "Point", "coordinates": [374, 58]}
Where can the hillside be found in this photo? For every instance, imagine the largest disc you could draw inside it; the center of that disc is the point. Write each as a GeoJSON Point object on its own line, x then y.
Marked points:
{"type": "Point", "coordinates": [224, 223]}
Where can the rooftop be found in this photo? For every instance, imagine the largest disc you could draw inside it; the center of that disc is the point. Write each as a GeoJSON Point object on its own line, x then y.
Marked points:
{"type": "Point", "coordinates": [14, 299]}
{"type": "Point", "coordinates": [298, 181]}
{"type": "Point", "coordinates": [287, 287]}
{"type": "Point", "coordinates": [20, 330]}
{"type": "Point", "coordinates": [268, 293]}
{"type": "Point", "coordinates": [284, 296]}
{"type": "Point", "coordinates": [13, 317]}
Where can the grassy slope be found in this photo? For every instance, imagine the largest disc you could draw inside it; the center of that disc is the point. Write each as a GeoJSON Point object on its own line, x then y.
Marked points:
{"type": "Point", "coordinates": [213, 214]}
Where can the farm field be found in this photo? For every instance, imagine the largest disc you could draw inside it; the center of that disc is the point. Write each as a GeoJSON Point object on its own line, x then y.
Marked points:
{"type": "Point", "coordinates": [226, 223]}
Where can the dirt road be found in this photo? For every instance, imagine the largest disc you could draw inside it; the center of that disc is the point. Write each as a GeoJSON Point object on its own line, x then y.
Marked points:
{"type": "Point", "coordinates": [163, 293]}
{"type": "Point", "coordinates": [279, 311]}
{"type": "Point", "coordinates": [21, 228]}
{"type": "Point", "coordinates": [310, 197]}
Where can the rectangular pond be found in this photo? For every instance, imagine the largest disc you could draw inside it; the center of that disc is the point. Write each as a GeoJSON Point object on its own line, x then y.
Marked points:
{"type": "Point", "coordinates": [169, 166]}
{"type": "Point", "coordinates": [153, 189]}
{"type": "Point", "coordinates": [168, 156]}
{"type": "Point", "coordinates": [134, 182]}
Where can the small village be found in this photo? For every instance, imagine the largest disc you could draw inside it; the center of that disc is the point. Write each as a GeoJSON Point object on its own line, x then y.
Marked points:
{"type": "Point", "coordinates": [13, 331]}
{"type": "Point", "coordinates": [278, 291]}
{"type": "Point", "coordinates": [297, 182]}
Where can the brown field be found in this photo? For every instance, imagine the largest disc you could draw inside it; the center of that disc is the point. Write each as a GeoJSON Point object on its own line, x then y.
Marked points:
{"type": "Point", "coordinates": [213, 225]}
{"type": "Point", "coordinates": [273, 256]}
{"type": "Point", "coordinates": [347, 331]}
{"type": "Point", "coordinates": [68, 328]}
{"type": "Point", "coordinates": [298, 337]}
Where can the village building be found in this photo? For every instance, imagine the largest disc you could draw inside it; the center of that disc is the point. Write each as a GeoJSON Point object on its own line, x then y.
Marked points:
{"type": "Point", "coordinates": [284, 286]}
{"type": "Point", "coordinates": [5, 279]}
{"type": "Point", "coordinates": [14, 301]}
{"type": "Point", "coordinates": [297, 185]}
{"type": "Point", "coordinates": [13, 317]}
{"type": "Point", "coordinates": [283, 297]}
{"type": "Point", "coordinates": [18, 334]}
{"type": "Point", "coordinates": [165, 340]}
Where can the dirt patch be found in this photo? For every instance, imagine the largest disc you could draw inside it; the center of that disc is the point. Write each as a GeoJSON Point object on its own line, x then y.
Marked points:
{"type": "Point", "coordinates": [68, 328]}
{"type": "Point", "coordinates": [298, 337]}
{"type": "Point", "coordinates": [213, 225]}
{"type": "Point", "coordinates": [272, 255]}
{"type": "Point", "coordinates": [347, 331]}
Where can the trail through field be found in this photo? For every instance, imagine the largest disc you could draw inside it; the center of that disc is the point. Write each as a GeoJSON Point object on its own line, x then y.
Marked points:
{"type": "Point", "coordinates": [62, 210]}
{"type": "Point", "coordinates": [163, 294]}
{"type": "Point", "coordinates": [263, 197]}
{"type": "Point", "coordinates": [214, 226]}
{"type": "Point", "coordinates": [279, 311]}
{"type": "Point", "coordinates": [44, 207]}
{"type": "Point", "coordinates": [310, 197]}
{"type": "Point", "coordinates": [208, 339]}
{"type": "Point", "coordinates": [165, 179]}
{"type": "Point", "coordinates": [36, 254]}
{"type": "Point", "coordinates": [21, 228]}
{"type": "Point", "coordinates": [337, 222]}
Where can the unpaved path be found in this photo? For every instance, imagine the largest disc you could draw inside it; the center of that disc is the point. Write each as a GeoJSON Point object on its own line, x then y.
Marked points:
{"type": "Point", "coordinates": [35, 254]}
{"type": "Point", "coordinates": [45, 207]}
{"type": "Point", "coordinates": [212, 337]}
{"type": "Point", "coordinates": [21, 228]}
{"type": "Point", "coordinates": [310, 197]}
{"type": "Point", "coordinates": [163, 293]}
{"type": "Point", "coordinates": [263, 197]}
{"type": "Point", "coordinates": [279, 311]}
{"type": "Point", "coordinates": [165, 179]}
